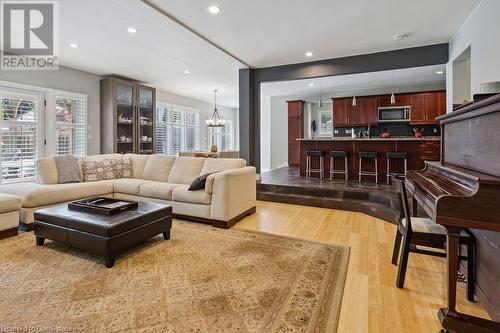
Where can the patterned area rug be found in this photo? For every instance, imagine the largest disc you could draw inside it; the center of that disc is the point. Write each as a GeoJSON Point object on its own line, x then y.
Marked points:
{"type": "Point", "coordinates": [202, 280]}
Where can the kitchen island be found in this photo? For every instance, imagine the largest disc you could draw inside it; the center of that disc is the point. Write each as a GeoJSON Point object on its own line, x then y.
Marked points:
{"type": "Point", "coordinates": [418, 149]}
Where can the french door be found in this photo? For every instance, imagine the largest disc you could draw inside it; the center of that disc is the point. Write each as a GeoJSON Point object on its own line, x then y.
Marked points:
{"type": "Point", "coordinates": [21, 133]}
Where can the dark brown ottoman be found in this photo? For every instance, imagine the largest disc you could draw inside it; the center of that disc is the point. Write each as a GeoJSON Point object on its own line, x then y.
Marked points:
{"type": "Point", "coordinates": [103, 235]}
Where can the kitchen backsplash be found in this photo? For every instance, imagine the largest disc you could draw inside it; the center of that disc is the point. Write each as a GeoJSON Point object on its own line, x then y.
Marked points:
{"type": "Point", "coordinates": [395, 129]}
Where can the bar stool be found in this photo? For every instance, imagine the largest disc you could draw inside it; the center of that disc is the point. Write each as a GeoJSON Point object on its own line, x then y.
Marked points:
{"type": "Point", "coordinates": [315, 153]}
{"type": "Point", "coordinates": [396, 155]}
{"type": "Point", "coordinates": [333, 171]}
{"type": "Point", "coordinates": [370, 155]}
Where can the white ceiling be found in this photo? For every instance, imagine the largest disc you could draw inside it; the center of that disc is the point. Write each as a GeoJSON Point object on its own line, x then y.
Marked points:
{"type": "Point", "coordinates": [276, 32]}
{"type": "Point", "coordinates": [402, 80]}
{"type": "Point", "coordinates": [158, 54]}
{"type": "Point", "coordinates": [260, 32]}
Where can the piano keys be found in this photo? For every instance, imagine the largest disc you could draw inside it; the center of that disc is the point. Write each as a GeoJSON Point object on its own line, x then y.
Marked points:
{"type": "Point", "coordinates": [463, 191]}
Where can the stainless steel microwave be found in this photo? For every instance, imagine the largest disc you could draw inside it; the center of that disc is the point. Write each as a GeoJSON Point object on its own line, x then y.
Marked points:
{"type": "Point", "coordinates": [393, 114]}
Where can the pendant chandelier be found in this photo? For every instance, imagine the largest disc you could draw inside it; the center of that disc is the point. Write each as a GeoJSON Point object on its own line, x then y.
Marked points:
{"type": "Point", "coordinates": [393, 98]}
{"type": "Point", "coordinates": [354, 90]}
{"type": "Point", "coordinates": [215, 120]}
{"type": "Point", "coordinates": [320, 97]}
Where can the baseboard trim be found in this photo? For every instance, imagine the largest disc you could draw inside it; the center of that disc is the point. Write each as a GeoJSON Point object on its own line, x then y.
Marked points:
{"type": "Point", "coordinates": [217, 223]}
{"type": "Point", "coordinates": [9, 232]}
{"type": "Point", "coordinates": [25, 226]}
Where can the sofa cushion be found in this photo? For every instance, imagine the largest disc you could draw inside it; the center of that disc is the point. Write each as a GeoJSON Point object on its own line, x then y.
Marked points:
{"type": "Point", "coordinates": [9, 203]}
{"type": "Point", "coordinates": [158, 167]}
{"type": "Point", "coordinates": [46, 171]}
{"type": "Point", "coordinates": [128, 185]}
{"type": "Point", "coordinates": [97, 158]}
{"type": "Point", "coordinates": [138, 164]}
{"type": "Point", "coordinates": [37, 195]}
{"type": "Point", "coordinates": [186, 169]}
{"type": "Point", "coordinates": [158, 190]}
{"type": "Point", "coordinates": [182, 194]}
{"type": "Point", "coordinates": [199, 183]}
{"type": "Point", "coordinates": [212, 165]}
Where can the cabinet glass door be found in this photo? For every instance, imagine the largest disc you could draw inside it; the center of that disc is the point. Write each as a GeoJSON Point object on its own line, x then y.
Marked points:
{"type": "Point", "coordinates": [125, 118]}
{"type": "Point", "coordinates": [145, 121]}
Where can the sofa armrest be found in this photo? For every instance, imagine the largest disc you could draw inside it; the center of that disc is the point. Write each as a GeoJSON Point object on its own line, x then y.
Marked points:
{"type": "Point", "coordinates": [233, 193]}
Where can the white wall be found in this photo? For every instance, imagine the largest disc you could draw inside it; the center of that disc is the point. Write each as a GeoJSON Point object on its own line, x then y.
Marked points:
{"type": "Point", "coordinates": [265, 134]}
{"type": "Point", "coordinates": [72, 80]}
{"type": "Point", "coordinates": [481, 31]}
{"type": "Point", "coordinates": [206, 110]}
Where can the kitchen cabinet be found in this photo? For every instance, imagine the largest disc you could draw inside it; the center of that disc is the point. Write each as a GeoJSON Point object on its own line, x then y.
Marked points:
{"type": "Point", "coordinates": [370, 110]}
{"type": "Point", "coordinates": [363, 114]}
{"type": "Point", "coordinates": [340, 112]}
{"type": "Point", "coordinates": [295, 130]}
{"type": "Point", "coordinates": [426, 106]}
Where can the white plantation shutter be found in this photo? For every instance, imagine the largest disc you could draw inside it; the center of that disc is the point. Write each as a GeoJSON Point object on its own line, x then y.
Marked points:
{"type": "Point", "coordinates": [71, 125]}
{"type": "Point", "coordinates": [19, 134]}
{"type": "Point", "coordinates": [177, 129]}
{"type": "Point", "coordinates": [222, 137]}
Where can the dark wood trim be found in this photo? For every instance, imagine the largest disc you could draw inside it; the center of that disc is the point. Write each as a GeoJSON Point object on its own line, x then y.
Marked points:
{"type": "Point", "coordinates": [217, 223]}
{"type": "Point", "coordinates": [26, 226]}
{"type": "Point", "coordinates": [9, 232]}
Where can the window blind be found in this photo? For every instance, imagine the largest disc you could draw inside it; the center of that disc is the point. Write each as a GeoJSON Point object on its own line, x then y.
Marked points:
{"type": "Point", "coordinates": [19, 115]}
{"type": "Point", "coordinates": [71, 125]}
{"type": "Point", "coordinates": [177, 129]}
{"type": "Point", "coordinates": [222, 137]}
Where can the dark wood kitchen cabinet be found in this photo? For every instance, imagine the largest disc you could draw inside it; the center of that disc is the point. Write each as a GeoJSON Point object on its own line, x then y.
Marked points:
{"type": "Point", "coordinates": [426, 107]}
{"type": "Point", "coordinates": [370, 110]}
{"type": "Point", "coordinates": [364, 113]}
{"type": "Point", "coordinates": [295, 130]}
{"type": "Point", "coordinates": [340, 112]}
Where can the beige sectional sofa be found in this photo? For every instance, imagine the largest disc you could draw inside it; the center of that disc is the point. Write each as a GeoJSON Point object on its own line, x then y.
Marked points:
{"type": "Point", "coordinates": [9, 215]}
{"type": "Point", "coordinates": [229, 193]}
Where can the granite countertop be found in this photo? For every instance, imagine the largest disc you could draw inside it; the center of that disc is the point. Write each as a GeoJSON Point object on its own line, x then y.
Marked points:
{"type": "Point", "coordinates": [394, 138]}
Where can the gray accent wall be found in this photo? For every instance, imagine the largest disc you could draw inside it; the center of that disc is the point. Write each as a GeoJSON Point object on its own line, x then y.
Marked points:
{"type": "Point", "coordinates": [71, 80]}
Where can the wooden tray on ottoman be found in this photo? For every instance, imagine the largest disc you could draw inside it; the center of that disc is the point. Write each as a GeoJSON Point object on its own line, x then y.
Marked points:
{"type": "Point", "coordinates": [102, 234]}
{"type": "Point", "coordinates": [102, 205]}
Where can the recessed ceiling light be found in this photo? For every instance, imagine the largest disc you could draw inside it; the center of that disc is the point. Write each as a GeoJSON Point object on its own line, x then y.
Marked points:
{"type": "Point", "coordinates": [132, 30]}
{"type": "Point", "coordinates": [73, 45]}
{"type": "Point", "coordinates": [400, 37]}
{"type": "Point", "coordinates": [214, 10]}
{"type": "Point", "coordinates": [309, 54]}
{"type": "Point", "coordinates": [311, 84]}
{"type": "Point", "coordinates": [440, 72]}
{"type": "Point", "coordinates": [187, 71]}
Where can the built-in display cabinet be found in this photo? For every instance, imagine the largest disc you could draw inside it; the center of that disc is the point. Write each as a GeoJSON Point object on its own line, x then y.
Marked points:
{"type": "Point", "coordinates": [128, 117]}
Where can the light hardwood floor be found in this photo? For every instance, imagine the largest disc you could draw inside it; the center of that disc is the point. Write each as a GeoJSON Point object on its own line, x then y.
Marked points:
{"type": "Point", "coordinates": [371, 301]}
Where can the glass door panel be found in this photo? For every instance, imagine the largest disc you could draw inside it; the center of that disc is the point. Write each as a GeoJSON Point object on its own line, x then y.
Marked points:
{"type": "Point", "coordinates": [145, 121]}
{"type": "Point", "coordinates": [125, 118]}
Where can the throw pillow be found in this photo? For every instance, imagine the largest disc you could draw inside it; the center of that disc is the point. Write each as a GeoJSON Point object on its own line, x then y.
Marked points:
{"type": "Point", "coordinates": [68, 169]}
{"type": "Point", "coordinates": [123, 168]}
{"type": "Point", "coordinates": [98, 170]}
{"type": "Point", "coordinates": [199, 182]}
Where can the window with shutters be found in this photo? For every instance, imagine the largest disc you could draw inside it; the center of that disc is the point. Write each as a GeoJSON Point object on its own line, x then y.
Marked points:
{"type": "Point", "coordinates": [177, 129]}
{"type": "Point", "coordinates": [71, 125]}
{"type": "Point", "coordinates": [222, 137]}
{"type": "Point", "coordinates": [19, 134]}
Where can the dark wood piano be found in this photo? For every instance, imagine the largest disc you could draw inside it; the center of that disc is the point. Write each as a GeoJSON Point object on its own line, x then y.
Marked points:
{"type": "Point", "coordinates": [463, 191]}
